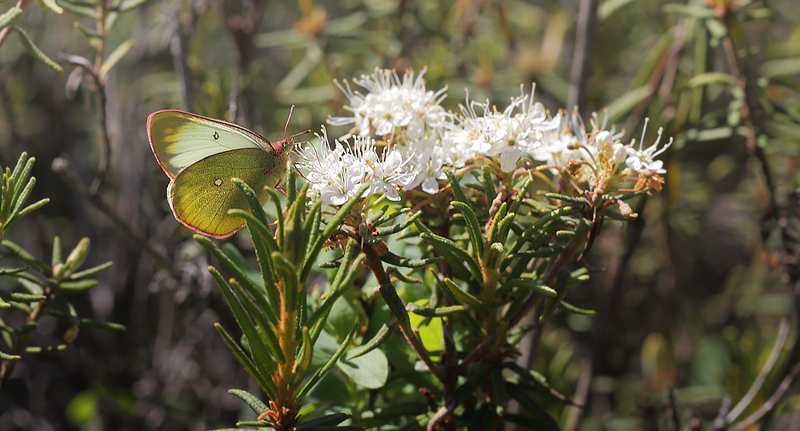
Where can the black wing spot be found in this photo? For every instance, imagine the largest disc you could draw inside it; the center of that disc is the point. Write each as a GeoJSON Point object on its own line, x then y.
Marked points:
{"type": "Point", "coordinates": [216, 136]}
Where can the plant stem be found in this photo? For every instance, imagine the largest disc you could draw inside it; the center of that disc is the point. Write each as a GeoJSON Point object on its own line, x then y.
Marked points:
{"type": "Point", "coordinates": [389, 294]}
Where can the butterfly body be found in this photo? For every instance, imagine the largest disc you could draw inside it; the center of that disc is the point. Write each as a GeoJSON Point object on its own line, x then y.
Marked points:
{"type": "Point", "coordinates": [201, 155]}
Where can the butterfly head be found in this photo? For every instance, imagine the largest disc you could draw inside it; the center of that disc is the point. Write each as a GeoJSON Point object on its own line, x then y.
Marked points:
{"type": "Point", "coordinates": [286, 144]}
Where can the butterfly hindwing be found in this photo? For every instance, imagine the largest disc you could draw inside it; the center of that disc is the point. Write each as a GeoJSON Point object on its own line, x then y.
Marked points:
{"type": "Point", "coordinates": [180, 139]}
{"type": "Point", "coordinates": [202, 194]}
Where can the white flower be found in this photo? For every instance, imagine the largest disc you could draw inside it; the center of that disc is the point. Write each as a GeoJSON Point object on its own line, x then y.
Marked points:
{"type": "Point", "coordinates": [504, 135]}
{"type": "Point", "coordinates": [387, 172]}
{"type": "Point", "coordinates": [426, 162]}
{"type": "Point", "coordinates": [644, 159]}
{"type": "Point", "coordinates": [338, 173]}
{"type": "Point", "coordinates": [392, 104]}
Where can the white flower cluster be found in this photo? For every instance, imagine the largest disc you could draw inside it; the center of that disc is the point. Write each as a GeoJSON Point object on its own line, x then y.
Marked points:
{"type": "Point", "coordinates": [422, 138]}
{"type": "Point", "coordinates": [339, 172]}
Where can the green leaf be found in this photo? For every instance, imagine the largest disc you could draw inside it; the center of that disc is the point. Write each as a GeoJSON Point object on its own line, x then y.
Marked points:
{"type": "Point", "coordinates": [51, 4]}
{"type": "Point", "coordinates": [369, 370]}
{"type": "Point", "coordinates": [258, 346]}
{"type": "Point", "coordinates": [393, 229]}
{"type": "Point", "coordinates": [327, 420]}
{"type": "Point", "coordinates": [332, 225]}
{"type": "Point", "coordinates": [36, 52]}
{"type": "Point", "coordinates": [10, 17]}
{"type": "Point", "coordinates": [466, 297]}
{"type": "Point", "coordinates": [91, 271]}
{"type": "Point", "coordinates": [110, 326]}
{"type": "Point", "coordinates": [78, 286]}
{"type": "Point", "coordinates": [690, 10]}
{"type": "Point", "coordinates": [396, 260]}
{"type": "Point", "coordinates": [80, 8]}
{"type": "Point", "coordinates": [328, 365]}
{"type": "Point", "coordinates": [115, 57]}
{"type": "Point", "coordinates": [575, 310]}
{"type": "Point", "coordinates": [26, 257]}
{"type": "Point", "coordinates": [459, 254]}
{"type": "Point", "coordinates": [709, 78]}
{"type": "Point", "coordinates": [458, 192]}
{"type": "Point", "coordinates": [127, 5]}
{"type": "Point", "coordinates": [373, 343]}
{"type": "Point", "coordinates": [248, 364]}
{"type": "Point", "coordinates": [251, 400]}
{"type": "Point", "coordinates": [256, 292]}
{"type": "Point", "coordinates": [6, 357]}
{"type": "Point", "coordinates": [473, 227]}
{"type": "Point", "coordinates": [627, 102]}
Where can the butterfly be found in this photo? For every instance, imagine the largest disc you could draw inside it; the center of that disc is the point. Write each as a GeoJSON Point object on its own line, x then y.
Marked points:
{"type": "Point", "coordinates": [201, 155]}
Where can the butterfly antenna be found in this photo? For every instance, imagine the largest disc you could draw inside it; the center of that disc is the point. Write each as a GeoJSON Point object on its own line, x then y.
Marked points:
{"type": "Point", "coordinates": [286, 127]}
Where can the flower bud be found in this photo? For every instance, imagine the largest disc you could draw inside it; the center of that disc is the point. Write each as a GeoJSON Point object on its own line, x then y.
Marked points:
{"type": "Point", "coordinates": [78, 255]}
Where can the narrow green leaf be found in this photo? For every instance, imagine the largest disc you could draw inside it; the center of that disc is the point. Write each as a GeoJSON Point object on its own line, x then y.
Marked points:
{"type": "Point", "coordinates": [48, 349]}
{"type": "Point", "coordinates": [466, 297]}
{"type": "Point", "coordinates": [373, 343]}
{"type": "Point", "coordinates": [80, 8]}
{"type": "Point", "coordinates": [690, 10]}
{"type": "Point", "coordinates": [251, 400]}
{"type": "Point", "coordinates": [12, 271]}
{"type": "Point", "coordinates": [114, 58]}
{"type": "Point", "coordinates": [393, 229]}
{"type": "Point", "coordinates": [456, 264]}
{"type": "Point", "coordinates": [332, 225]}
{"type": "Point", "coordinates": [56, 258]}
{"type": "Point", "coordinates": [91, 271]}
{"type": "Point", "coordinates": [79, 286]}
{"type": "Point", "coordinates": [328, 365]}
{"type": "Point", "coordinates": [24, 298]}
{"type": "Point", "coordinates": [540, 419]}
{"type": "Point", "coordinates": [473, 227]}
{"type": "Point", "coordinates": [383, 220]}
{"type": "Point", "coordinates": [28, 209]}
{"type": "Point", "coordinates": [457, 191]}
{"type": "Point", "coordinates": [239, 274]}
{"type": "Point", "coordinates": [260, 318]}
{"type": "Point", "coordinates": [6, 357]}
{"type": "Point", "coordinates": [523, 191]}
{"type": "Point", "coordinates": [317, 320]}
{"type": "Point", "coordinates": [36, 52]}
{"type": "Point", "coordinates": [262, 380]}
{"type": "Point", "coordinates": [396, 260]}
{"type": "Point", "coordinates": [89, 34]}
{"type": "Point", "coordinates": [488, 184]}
{"type": "Point", "coordinates": [441, 243]}
{"type": "Point", "coordinates": [531, 286]}
{"type": "Point", "coordinates": [258, 347]}
{"type": "Point", "coordinates": [575, 310]}
{"type": "Point", "coordinates": [52, 5]}
{"type": "Point", "coordinates": [711, 78]}
{"type": "Point", "coordinates": [110, 326]}
{"type": "Point", "coordinates": [10, 17]}
{"type": "Point", "coordinates": [436, 312]}
{"type": "Point", "coordinates": [127, 5]}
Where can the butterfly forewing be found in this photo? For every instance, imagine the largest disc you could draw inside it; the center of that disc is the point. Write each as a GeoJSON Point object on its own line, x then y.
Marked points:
{"type": "Point", "coordinates": [201, 196]}
{"type": "Point", "coordinates": [180, 139]}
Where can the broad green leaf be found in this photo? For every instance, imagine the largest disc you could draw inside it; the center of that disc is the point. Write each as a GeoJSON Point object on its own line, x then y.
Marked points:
{"type": "Point", "coordinates": [369, 371]}
{"type": "Point", "coordinates": [430, 329]}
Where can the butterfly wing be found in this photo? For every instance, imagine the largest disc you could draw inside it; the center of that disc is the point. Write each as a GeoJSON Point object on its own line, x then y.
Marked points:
{"type": "Point", "coordinates": [202, 194]}
{"type": "Point", "coordinates": [180, 139]}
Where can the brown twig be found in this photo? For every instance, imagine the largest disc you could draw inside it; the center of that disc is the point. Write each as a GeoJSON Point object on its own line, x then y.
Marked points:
{"type": "Point", "coordinates": [581, 59]}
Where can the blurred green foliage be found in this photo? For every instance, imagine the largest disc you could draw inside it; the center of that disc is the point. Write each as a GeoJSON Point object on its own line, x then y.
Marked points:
{"type": "Point", "coordinates": [690, 296]}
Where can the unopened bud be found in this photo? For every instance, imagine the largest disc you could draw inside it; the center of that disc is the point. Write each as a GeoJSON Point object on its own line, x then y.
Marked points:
{"type": "Point", "coordinates": [626, 210]}
{"type": "Point", "coordinates": [71, 334]}
{"type": "Point", "coordinates": [78, 255]}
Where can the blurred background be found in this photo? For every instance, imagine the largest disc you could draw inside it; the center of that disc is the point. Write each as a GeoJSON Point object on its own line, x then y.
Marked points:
{"type": "Point", "coordinates": [690, 297]}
